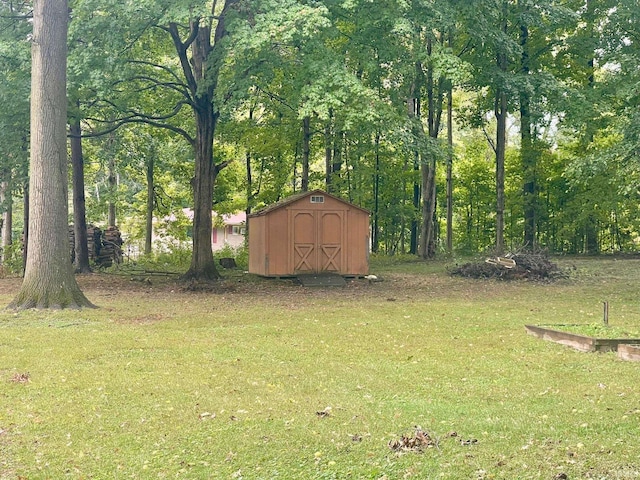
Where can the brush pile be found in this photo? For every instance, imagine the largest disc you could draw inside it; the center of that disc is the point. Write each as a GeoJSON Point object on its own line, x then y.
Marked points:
{"type": "Point", "coordinates": [514, 266]}
{"type": "Point", "coordinates": [416, 442]}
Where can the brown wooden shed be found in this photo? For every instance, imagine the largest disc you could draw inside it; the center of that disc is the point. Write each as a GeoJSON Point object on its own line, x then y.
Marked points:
{"type": "Point", "coordinates": [310, 232]}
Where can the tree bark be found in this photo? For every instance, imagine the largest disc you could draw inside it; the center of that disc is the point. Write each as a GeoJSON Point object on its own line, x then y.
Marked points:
{"type": "Point", "coordinates": [450, 170]}
{"type": "Point", "coordinates": [413, 111]}
{"type": "Point", "coordinates": [427, 246]}
{"type": "Point", "coordinates": [527, 151]}
{"type": "Point", "coordinates": [501, 111]}
{"type": "Point", "coordinates": [306, 152]}
{"type": "Point", "coordinates": [591, 243]}
{"type": "Point", "coordinates": [7, 217]}
{"type": "Point", "coordinates": [375, 222]}
{"type": "Point", "coordinates": [81, 259]}
{"type": "Point", "coordinates": [113, 192]}
{"type": "Point", "coordinates": [501, 142]}
{"type": "Point", "coordinates": [25, 222]}
{"type": "Point", "coordinates": [48, 279]}
{"type": "Point", "coordinates": [148, 233]}
{"type": "Point", "coordinates": [328, 155]}
{"type": "Point", "coordinates": [201, 70]}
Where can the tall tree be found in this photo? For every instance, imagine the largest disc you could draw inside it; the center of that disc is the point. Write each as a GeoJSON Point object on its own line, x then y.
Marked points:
{"type": "Point", "coordinates": [48, 279]}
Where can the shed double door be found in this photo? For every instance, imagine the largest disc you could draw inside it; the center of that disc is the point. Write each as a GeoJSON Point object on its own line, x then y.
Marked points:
{"type": "Point", "coordinates": [318, 241]}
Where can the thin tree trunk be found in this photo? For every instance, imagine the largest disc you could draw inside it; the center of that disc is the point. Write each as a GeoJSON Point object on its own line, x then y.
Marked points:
{"type": "Point", "coordinates": [306, 151]}
{"type": "Point", "coordinates": [7, 217]}
{"type": "Point", "coordinates": [336, 165]}
{"type": "Point", "coordinates": [113, 192]}
{"type": "Point", "coordinates": [501, 142]}
{"type": "Point", "coordinates": [81, 258]}
{"type": "Point", "coordinates": [591, 244]}
{"type": "Point", "coordinates": [328, 155]}
{"type": "Point", "coordinates": [249, 191]}
{"type": "Point", "coordinates": [375, 227]}
{"type": "Point", "coordinates": [413, 110]}
{"type": "Point", "coordinates": [450, 170]}
{"type": "Point", "coordinates": [527, 151]}
{"type": "Point", "coordinates": [151, 197]}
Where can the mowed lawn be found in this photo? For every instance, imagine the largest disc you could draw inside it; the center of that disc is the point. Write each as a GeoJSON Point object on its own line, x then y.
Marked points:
{"type": "Point", "coordinates": [264, 379]}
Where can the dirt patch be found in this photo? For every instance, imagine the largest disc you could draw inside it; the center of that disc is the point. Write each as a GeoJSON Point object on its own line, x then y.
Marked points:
{"type": "Point", "coordinates": [103, 288]}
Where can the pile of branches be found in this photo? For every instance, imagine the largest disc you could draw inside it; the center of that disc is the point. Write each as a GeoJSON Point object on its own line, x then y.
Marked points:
{"type": "Point", "coordinates": [514, 266]}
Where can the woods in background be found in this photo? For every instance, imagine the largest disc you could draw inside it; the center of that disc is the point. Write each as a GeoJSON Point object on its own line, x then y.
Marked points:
{"type": "Point", "coordinates": [461, 126]}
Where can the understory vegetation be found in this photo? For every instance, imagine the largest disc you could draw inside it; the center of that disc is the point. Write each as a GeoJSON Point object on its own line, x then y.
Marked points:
{"type": "Point", "coordinates": [417, 375]}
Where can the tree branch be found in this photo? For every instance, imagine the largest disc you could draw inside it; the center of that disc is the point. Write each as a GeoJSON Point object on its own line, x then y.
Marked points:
{"type": "Point", "coordinates": [127, 121]}
{"type": "Point", "coordinates": [181, 48]}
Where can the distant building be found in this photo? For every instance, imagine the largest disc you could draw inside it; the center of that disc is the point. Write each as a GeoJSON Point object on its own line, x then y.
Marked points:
{"type": "Point", "coordinates": [228, 230]}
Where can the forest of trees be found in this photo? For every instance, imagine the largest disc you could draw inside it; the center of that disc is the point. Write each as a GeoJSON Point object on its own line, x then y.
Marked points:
{"type": "Point", "coordinates": [462, 126]}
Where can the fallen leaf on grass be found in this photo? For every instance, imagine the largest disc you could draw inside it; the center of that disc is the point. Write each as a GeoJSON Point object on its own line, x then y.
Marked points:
{"type": "Point", "coordinates": [324, 413]}
{"type": "Point", "coordinates": [418, 442]}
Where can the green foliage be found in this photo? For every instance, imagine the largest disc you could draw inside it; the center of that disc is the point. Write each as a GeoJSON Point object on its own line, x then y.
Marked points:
{"type": "Point", "coordinates": [239, 254]}
{"type": "Point", "coordinates": [172, 256]}
{"type": "Point", "coordinates": [12, 260]}
{"type": "Point", "coordinates": [350, 69]}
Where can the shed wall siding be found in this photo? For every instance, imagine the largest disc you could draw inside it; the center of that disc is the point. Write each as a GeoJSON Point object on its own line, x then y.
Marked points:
{"type": "Point", "coordinates": [257, 245]}
{"type": "Point", "coordinates": [337, 231]}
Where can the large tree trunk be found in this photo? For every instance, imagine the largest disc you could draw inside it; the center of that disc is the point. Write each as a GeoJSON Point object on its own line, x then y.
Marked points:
{"type": "Point", "coordinates": [203, 266]}
{"type": "Point", "coordinates": [48, 279]}
{"type": "Point", "coordinates": [81, 259]}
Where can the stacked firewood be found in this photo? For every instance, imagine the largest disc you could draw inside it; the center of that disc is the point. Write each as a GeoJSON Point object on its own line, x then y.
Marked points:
{"type": "Point", "coordinates": [111, 250]}
{"type": "Point", "coordinates": [104, 247]}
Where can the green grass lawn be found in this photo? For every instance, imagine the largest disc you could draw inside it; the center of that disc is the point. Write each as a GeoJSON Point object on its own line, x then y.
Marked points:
{"type": "Point", "coordinates": [263, 379]}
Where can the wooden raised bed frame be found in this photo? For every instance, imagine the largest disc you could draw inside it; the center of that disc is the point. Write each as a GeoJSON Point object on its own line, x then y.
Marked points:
{"type": "Point", "coordinates": [580, 342]}
{"type": "Point", "coordinates": [629, 352]}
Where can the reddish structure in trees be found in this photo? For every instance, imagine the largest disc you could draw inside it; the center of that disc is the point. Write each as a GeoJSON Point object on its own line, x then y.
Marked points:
{"type": "Point", "coordinates": [310, 232]}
